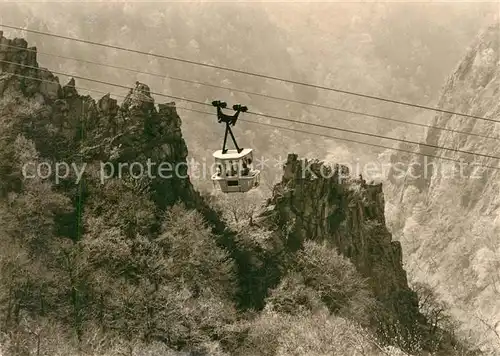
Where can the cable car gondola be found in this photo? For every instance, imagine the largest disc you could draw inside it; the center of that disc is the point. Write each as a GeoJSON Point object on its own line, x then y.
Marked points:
{"type": "Point", "coordinates": [235, 172]}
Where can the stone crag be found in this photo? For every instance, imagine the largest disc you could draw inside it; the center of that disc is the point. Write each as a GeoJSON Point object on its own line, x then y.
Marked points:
{"type": "Point", "coordinates": [65, 125]}
{"type": "Point", "coordinates": [315, 202]}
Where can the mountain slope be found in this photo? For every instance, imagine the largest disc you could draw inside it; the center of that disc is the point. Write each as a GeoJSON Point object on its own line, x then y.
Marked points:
{"type": "Point", "coordinates": [448, 223]}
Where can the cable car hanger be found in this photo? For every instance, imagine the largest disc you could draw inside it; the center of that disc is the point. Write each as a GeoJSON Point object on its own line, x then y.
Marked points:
{"type": "Point", "coordinates": [229, 120]}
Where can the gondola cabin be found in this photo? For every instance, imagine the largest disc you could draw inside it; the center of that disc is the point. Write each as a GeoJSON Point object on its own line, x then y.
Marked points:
{"type": "Point", "coordinates": [235, 172]}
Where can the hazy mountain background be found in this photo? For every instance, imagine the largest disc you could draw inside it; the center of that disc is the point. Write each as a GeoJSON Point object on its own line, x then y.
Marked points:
{"type": "Point", "coordinates": [402, 51]}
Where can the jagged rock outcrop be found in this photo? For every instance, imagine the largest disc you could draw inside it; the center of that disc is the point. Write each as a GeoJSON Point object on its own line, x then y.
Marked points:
{"type": "Point", "coordinates": [139, 99]}
{"type": "Point", "coordinates": [446, 215]}
{"type": "Point", "coordinates": [317, 202]}
{"type": "Point", "coordinates": [65, 125]}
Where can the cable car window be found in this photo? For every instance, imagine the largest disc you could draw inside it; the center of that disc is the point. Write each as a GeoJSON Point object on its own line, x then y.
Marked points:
{"type": "Point", "coordinates": [245, 171]}
{"type": "Point", "coordinates": [234, 169]}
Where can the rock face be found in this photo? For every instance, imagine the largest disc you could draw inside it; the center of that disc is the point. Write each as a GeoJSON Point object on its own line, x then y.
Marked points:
{"type": "Point", "coordinates": [317, 202]}
{"type": "Point", "coordinates": [448, 216]}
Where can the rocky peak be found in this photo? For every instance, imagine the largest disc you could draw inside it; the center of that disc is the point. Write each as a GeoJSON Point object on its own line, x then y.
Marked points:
{"type": "Point", "coordinates": [139, 98]}
{"type": "Point", "coordinates": [93, 130]}
{"type": "Point", "coordinates": [317, 202]}
{"type": "Point", "coordinates": [69, 90]}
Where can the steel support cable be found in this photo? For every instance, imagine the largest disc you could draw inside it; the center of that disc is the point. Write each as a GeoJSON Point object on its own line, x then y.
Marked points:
{"type": "Point", "coordinates": [264, 76]}
{"type": "Point", "coordinates": [273, 116]}
{"type": "Point", "coordinates": [351, 140]}
{"type": "Point", "coordinates": [194, 82]}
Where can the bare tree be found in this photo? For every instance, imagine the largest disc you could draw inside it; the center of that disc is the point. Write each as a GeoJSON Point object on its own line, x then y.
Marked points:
{"type": "Point", "coordinates": [239, 208]}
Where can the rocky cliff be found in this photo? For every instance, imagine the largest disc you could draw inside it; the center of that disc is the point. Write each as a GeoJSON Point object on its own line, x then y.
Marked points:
{"type": "Point", "coordinates": [447, 217]}
{"type": "Point", "coordinates": [317, 202]}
